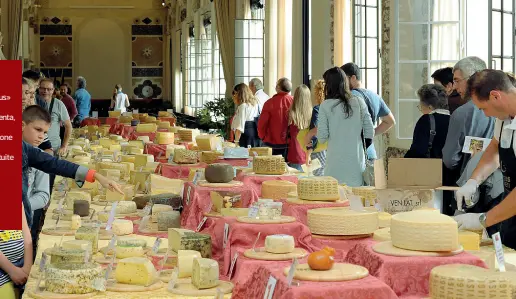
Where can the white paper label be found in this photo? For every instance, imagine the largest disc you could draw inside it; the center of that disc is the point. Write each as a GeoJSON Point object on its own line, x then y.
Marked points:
{"type": "Point", "coordinates": [291, 271]}
{"type": "Point", "coordinates": [256, 241]}
{"type": "Point", "coordinates": [226, 233]}
{"type": "Point", "coordinates": [255, 154]}
{"type": "Point", "coordinates": [135, 111]}
{"type": "Point", "coordinates": [111, 215]}
{"type": "Point", "coordinates": [355, 203]}
{"type": "Point", "coordinates": [108, 270]}
{"type": "Point", "coordinates": [497, 241]}
{"type": "Point", "coordinates": [163, 262]}
{"type": "Point", "coordinates": [197, 175]}
{"type": "Point", "coordinates": [269, 289]}
{"type": "Point", "coordinates": [94, 114]}
{"type": "Point", "coordinates": [252, 212]}
{"type": "Point", "coordinates": [367, 203]}
{"type": "Point", "coordinates": [144, 222]}
{"type": "Point", "coordinates": [111, 246]}
{"type": "Point", "coordinates": [43, 262]}
{"type": "Point", "coordinates": [155, 247]}
{"type": "Point", "coordinates": [188, 195]}
{"type": "Point", "coordinates": [378, 207]}
{"type": "Point", "coordinates": [485, 236]}
{"type": "Point", "coordinates": [147, 210]}
{"type": "Point", "coordinates": [60, 205]}
{"type": "Point", "coordinates": [201, 223]}
{"type": "Point", "coordinates": [173, 280]}
{"type": "Point", "coordinates": [171, 158]}
{"type": "Point", "coordinates": [232, 267]}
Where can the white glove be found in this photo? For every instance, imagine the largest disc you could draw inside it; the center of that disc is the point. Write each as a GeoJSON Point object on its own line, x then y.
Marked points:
{"type": "Point", "coordinates": [466, 193]}
{"type": "Point", "coordinates": [469, 222]}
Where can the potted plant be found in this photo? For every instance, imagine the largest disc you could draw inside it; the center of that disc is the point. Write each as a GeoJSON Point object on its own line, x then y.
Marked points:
{"type": "Point", "coordinates": [217, 114]}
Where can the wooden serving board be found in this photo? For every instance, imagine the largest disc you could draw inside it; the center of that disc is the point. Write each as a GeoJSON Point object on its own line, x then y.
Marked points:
{"type": "Point", "coordinates": [213, 214]}
{"type": "Point", "coordinates": [339, 272]}
{"type": "Point", "coordinates": [283, 219]}
{"type": "Point", "coordinates": [114, 286]}
{"type": "Point", "coordinates": [49, 295]}
{"type": "Point", "coordinates": [332, 237]}
{"type": "Point", "coordinates": [220, 185]}
{"type": "Point", "coordinates": [68, 217]}
{"type": "Point", "coordinates": [58, 231]}
{"type": "Point", "coordinates": [105, 260]}
{"type": "Point", "coordinates": [188, 289]}
{"type": "Point", "coordinates": [261, 254]}
{"type": "Point", "coordinates": [63, 211]}
{"type": "Point", "coordinates": [166, 276]}
{"type": "Point", "coordinates": [298, 201]}
{"type": "Point", "coordinates": [388, 249]}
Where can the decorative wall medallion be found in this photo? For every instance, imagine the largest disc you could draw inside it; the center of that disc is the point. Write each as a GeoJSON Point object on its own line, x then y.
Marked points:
{"type": "Point", "coordinates": [56, 51]}
{"type": "Point", "coordinates": [147, 52]}
{"type": "Point", "coordinates": [147, 90]}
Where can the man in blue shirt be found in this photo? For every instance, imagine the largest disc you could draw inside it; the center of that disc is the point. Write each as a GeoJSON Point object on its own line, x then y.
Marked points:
{"type": "Point", "coordinates": [383, 119]}
{"type": "Point", "coordinates": [82, 100]}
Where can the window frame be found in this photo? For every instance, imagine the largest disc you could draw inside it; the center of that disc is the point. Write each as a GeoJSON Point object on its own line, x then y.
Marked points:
{"type": "Point", "coordinates": [501, 56]}
{"type": "Point", "coordinates": [246, 57]}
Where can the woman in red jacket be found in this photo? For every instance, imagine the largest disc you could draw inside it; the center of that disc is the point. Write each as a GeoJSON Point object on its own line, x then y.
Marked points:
{"type": "Point", "coordinates": [299, 117]}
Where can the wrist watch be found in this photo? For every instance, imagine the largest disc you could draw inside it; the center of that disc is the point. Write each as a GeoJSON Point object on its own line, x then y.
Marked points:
{"type": "Point", "coordinates": [482, 219]}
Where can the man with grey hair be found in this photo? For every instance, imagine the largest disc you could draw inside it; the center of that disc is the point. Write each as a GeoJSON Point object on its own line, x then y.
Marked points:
{"type": "Point", "coordinates": [256, 87]}
{"type": "Point", "coordinates": [82, 99]}
{"type": "Point", "coordinates": [467, 120]}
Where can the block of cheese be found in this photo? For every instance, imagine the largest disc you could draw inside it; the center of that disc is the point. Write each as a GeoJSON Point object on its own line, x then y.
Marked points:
{"type": "Point", "coordinates": [157, 182]}
{"type": "Point", "coordinates": [115, 148]}
{"type": "Point", "coordinates": [77, 244]}
{"type": "Point", "coordinates": [113, 195]}
{"type": "Point", "coordinates": [424, 230]}
{"type": "Point", "coordinates": [125, 119]}
{"type": "Point", "coordinates": [96, 148]}
{"type": "Point", "coordinates": [366, 193]}
{"type": "Point", "coordinates": [135, 271]}
{"type": "Point", "coordinates": [318, 188]}
{"type": "Point", "coordinates": [260, 151]}
{"type": "Point", "coordinates": [62, 278]}
{"type": "Point", "coordinates": [185, 260]}
{"type": "Point", "coordinates": [164, 114]}
{"type": "Point", "coordinates": [121, 227]}
{"type": "Point", "coordinates": [139, 179]}
{"type": "Point", "coordinates": [236, 153]}
{"type": "Point", "coordinates": [128, 167]}
{"type": "Point", "coordinates": [115, 114]}
{"type": "Point", "coordinates": [234, 212]}
{"type": "Point", "coordinates": [127, 158]}
{"type": "Point", "coordinates": [76, 222]}
{"type": "Point", "coordinates": [384, 219]}
{"type": "Point", "coordinates": [136, 143]}
{"type": "Point", "coordinates": [169, 219]}
{"type": "Point", "coordinates": [105, 142]}
{"type": "Point", "coordinates": [125, 251]}
{"type": "Point", "coordinates": [103, 216]}
{"type": "Point", "coordinates": [146, 128]}
{"type": "Point", "coordinates": [210, 156]}
{"type": "Point", "coordinates": [135, 151]}
{"type": "Point", "coordinates": [469, 240]}
{"type": "Point", "coordinates": [184, 156]}
{"type": "Point", "coordinates": [171, 148]}
{"type": "Point", "coordinates": [150, 119]}
{"type": "Point", "coordinates": [131, 241]}
{"type": "Point", "coordinates": [193, 171]}
{"type": "Point", "coordinates": [145, 139]}
{"type": "Point", "coordinates": [158, 208]}
{"type": "Point", "coordinates": [151, 166]}
{"type": "Point", "coordinates": [142, 160]}
{"type": "Point", "coordinates": [62, 255]}
{"type": "Point", "coordinates": [205, 273]}
{"type": "Point", "coordinates": [113, 165]}
{"type": "Point", "coordinates": [81, 208]}
{"type": "Point", "coordinates": [279, 243]}
{"type": "Point", "coordinates": [113, 174]}
{"type": "Point", "coordinates": [125, 207]}
{"type": "Point", "coordinates": [342, 221]}
{"type": "Point", "coordinates": [219, 201]}
{"type": "Point", "coordinates": [164, 138]}
{"type": "Point", "coordinates": [188, 135]}
{"type": "Point", "coordinates": [460, 281]}
{"type": "Point", "coordinates": [163, 124]}
{"type": "Point", "coordinates": [277, 189]}
{"type": "Point", "coordinates": [219, 173]}
{"type": "Point", "coordinates": [208, 142]}
{"type": "Point", "coordinates": [269, 165]}
{"type": "Point", "coordinates": [73, 195]}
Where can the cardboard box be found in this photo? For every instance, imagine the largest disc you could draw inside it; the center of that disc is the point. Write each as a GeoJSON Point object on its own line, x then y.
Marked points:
{"type": "Point", "coordinates": [410, 184]}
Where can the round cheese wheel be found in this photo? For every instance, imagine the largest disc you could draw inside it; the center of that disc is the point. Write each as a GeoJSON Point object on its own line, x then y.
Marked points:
{"type": "Point", "coordinates": [219, 173]}
{"type": "Point", "coordinates": [81, 208]}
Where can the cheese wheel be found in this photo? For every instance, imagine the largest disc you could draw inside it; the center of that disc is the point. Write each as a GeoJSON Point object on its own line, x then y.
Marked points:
{"type": "Point", "coordinates": [158, 208]}
{"type": "Point", "coordinates": [88, 233]}
{"type": "Point", "coordinates": [279, 243]}
{"type": "Point", "coordinates": [188, 135]}
{"type": "Point", "coordinates": [342, 221]}
{"type": "Point", "coordinates": [124, 251]}
{"type": "Point", "coordinates": [277, 189]}
{"type": "Point", "coordinates": [125, 207]}
{"type": "Point", "coordinates": [205, 273]}
{"type": "Point", "coordinates": [135, 271]}
{"type": "Point", "coordinates": [122, 227]}
{"type": "Point", "coordinates": [269, 165]}
{"type": "Point", "coordinates": [384, 219]}
{"type": "Point", "coordinates": [62, 278]}
{"type": "Point", "coordinates": [130, 241]}
{"type": "Point", "coordinates": [71, 256]}
{"type": "Point", "coordinates": [169, 219]}
{"type": "Point", "coordinates": [424, 230]}
{"type": "Point", "coordinates": [219, 173]}
{"type": "Point", "coordinates": [183, 156]}
{"type": "Point", "coordinates": [81, 208]}
{"type": "Point", "coordinates": [318, 188]}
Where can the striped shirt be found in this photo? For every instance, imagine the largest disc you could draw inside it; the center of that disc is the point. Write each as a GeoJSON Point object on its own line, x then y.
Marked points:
{"type": "Point", "coordinates": [12, 246]}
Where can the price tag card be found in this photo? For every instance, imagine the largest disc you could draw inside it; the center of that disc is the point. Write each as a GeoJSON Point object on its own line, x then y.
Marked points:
{"type": "Point", "coordinates": [269, 289]}
{"type": "Point", "coordinates": [367, 203]}
{"type": "Point", "coordinates": [58, 218]}
{"type": "Point", "coordinates": [252, 212]}
{"type": "Point", "coordinates": [234, 172]}
{"type": "Point", "coordinates": [144, 222]}
{"type": "Point", "coordinates": [147, 210]}
{"type": "Point", "coordinates": [226, 234]}
{"type": "Point", "coordinates": [249, 164]}
{"type": "Point", "coordinates": [108, 270]}
{"type": "Point", "coordinates": [378, 207]}
{"type": "Point", "coordinates": [201, 223]}
{"type": "Point", "coordinates": [188, 195]}
{"type": "Point", "coordinates": [196, 177]}
{"type": "Point", "coordinates": [256, 241]}
{"type": "Point", "coordinates": [497, 241]}
{"type": "Point", "coordinates": [92, 213]}
{"type": "Point", "coordinates": [94, 114]}
{"type": "Point", "coordinates": [220, 294]}
{"type": "Point", "coordinates": [355, 203]}
{"type": "Point", "coordinates": [43, 262]}
{"type": "Point", "coordinates": [155, 247]}
{"type": "Point", "coordinates": [61, 240]}
{"type": "Point", "coordinates": [233, 262]}
{"type": "Point", "coordinates": [111, 215]}
{"type": "Point", "coordinates": [173, 280]}
{"type": "Point", "coordinates": [60, 204]}
{"type": "Point", "coordinates": [291, 272]}
{"type": "Point", "coordinates": [135, 111]}
{"type": "Point", "coordinates": [111, 245]}
{"type": "Point", "coordinates": [170, 158]}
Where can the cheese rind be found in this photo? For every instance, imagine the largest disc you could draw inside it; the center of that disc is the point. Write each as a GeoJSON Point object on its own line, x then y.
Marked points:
{"type": "Point", "coordinates": [277, 189]}
{"type": "Point", "coordinates": [279, 244]}
{"type": "Point", "coordinates": [185, 260]}
{"type": "Point", "coordinates": [424, 230]}
{"type": "Point", "coordinates": [169, 219]}
{"type": "Point", "coordinates": [269, 165]}
{"type": "Point", "coordinates": [205, 273]}
{"type": "Point", "coordinates": [219, 173]}
{"type": "Point", "coordinates": [71, 256]}
{"type": "Point", "coordinates": [122, 227]}
{"type": "Point", "coordinates": [66, 278]}
{"type": "Point", "coordinates": [318, 188]}
{"type": "Point", "coordinates": [135, 271]}
{"type": "Point", "coordinates": [183, 239]}
{"type": "Point", "coordinates": [342, 221]}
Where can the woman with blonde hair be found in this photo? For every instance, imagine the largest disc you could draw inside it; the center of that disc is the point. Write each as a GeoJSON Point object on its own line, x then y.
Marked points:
{"type": "Point", "coordinates": [244, 123]}
{"type": "Point", "coordinates": [298, 119]}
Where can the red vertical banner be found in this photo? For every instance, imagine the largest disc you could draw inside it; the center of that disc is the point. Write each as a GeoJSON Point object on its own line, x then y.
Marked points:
{"type": "Point", "coordinates": [11, 144]}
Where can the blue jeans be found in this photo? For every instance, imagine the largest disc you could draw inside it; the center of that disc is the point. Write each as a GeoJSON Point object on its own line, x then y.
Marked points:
{"type": "Point", "coordinates": [296, 166]}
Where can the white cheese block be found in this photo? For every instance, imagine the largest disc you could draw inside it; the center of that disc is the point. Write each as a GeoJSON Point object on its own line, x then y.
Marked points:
{"type": "Point", "coordinates": [185, 260]}
{"type": "Point", "coordinates": [113, 195]}
{"type": "Point", "coordinates": [184, 156]}
{"type": "Point", "coordinates": [424, 230]}
{"type": "Point", "coordinates": [205, 273]}
{"type": "Point", "coordinates": [76, 222]}
{"type": "Point", "coordinates": [123, 252]}
{"type": "Point", "coordinates": [125, 207]}
{"type": "Point", "coordinates": [122, 227]}
{"type": "Point", "coordinates": [135, 271]}
{"type": "Point", "coordinates": [77, 244]}
{"type": "Point", "coordinates": [279, 244]}
{"type": "Point", "coordinates": [342, 221]}
{"type": "Point", "coordinates": [158, 182]}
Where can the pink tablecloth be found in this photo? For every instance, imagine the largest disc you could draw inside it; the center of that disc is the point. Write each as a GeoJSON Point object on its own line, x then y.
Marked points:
{"type": "Point", "coordinates": [178, 171]}
{"type": "Point", "coordinates": [299, 210]}
{"type": "Point", "coordinates": [255, 181]}
{"type": "Point", "coordinates": [405, 275]}
{"type": "Point", "coordinates": [197, 201]}
{"type": "Point", "coordinates": [157, 150]}
{"type": "Point", "coordinates": [342, 247]}
{"type": "Point", "coordinates": [111, 120]}
{"type": "Point", "coordinates": [214, 226]}
{"type": "Point", "coordinates": [365, 288]}
{"type": "Point", "coordinates": [234, 162]}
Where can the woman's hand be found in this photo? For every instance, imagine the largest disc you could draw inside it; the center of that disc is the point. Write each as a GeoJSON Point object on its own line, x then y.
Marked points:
{"type": "Point", "coordinates": [18, 276]}
{"type": "Point", "coordinates": [108, 183]}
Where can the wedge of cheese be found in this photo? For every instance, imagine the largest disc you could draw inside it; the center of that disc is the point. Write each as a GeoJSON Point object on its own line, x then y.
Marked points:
{"type": "Point", "coordinates": [205, 273]}
{"type": "Point", "coordinates": [159, 184]}
{"type": "Point", "coordinates": [135, 271]}
{"type": "Point", "coordinates": [185, 260]}
{"type": "Point", "coordinates": [171, 148]}
{"type": "Point", "coordinates": [141, 160]}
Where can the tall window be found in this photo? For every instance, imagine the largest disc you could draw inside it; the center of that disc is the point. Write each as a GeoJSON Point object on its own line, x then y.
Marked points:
{"type": "Point", "coordinates": [366, 43]}
{"type": "Point", "coordinates": [501, 46]}
{"type": "Point", "coordinates": [427, 37]}
{"type": "Point", "coordinates": [249, 50]}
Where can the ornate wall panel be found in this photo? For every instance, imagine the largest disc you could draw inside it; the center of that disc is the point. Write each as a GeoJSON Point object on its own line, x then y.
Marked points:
{"type": "Point", "coordinates": [56, 49]}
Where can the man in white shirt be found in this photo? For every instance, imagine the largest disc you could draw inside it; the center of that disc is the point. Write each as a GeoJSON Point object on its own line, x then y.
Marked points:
{"type": "Point", "coordinates": [256, 87]}
{"type": "Point", "coordinates": [494, 93]}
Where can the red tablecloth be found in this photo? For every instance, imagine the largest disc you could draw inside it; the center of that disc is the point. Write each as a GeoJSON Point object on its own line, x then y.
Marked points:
{"type": "Point", "coordinates": [197, 201]}
{"type": "Point", "coordinates": [90, 121]}
{"type": "Point", "coordinates": [243, 235]}
{"type": "Point", "coordinates": [299, 211]}
{"type": "Point", "coordinates": [235, 162]}
{"type": "Point", "coordinates": [405, 275]}
{"type": "Point", "coordinates": [157, 150]}
{"type": "Point", "coordinates": [178, 171]}
{"type": "Point", "coordinates": [111, 120]}
{"type": "Point", "coordinates": [365, 288]}
{"type": "Point", "coordinates": [116, 129]}
{"type": "Point", "coordinates": [134, 135]}
{"type": "Point", "coordinates": [255, 181]}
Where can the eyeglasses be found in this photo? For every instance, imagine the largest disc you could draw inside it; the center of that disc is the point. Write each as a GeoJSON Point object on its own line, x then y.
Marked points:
{"type": "Point", "coordinates": [457, 81]}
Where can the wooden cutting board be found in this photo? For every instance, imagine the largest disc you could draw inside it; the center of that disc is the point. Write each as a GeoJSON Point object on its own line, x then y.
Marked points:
{"type": "Point", "coordinates": [283, 219]}
{"type": "Point", "coordinates": [261, 254]}
{"type": "Point", "coordinates": [388, 249]}
{"type": "Point", "coordinates": [339, 272]}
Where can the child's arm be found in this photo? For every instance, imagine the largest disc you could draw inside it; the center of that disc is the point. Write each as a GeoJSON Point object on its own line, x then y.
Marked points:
{"type": "Point", "coordinates": [40, 193]}
{"type": "Point", "coordinates": [27, 246]}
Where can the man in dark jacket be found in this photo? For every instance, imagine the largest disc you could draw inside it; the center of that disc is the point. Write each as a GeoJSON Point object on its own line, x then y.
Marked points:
{"type": "Point", "coordinates": [444, 77]}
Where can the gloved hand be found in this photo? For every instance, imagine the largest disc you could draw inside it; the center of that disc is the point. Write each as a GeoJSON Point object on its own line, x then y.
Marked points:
{"type": "Point", "coordinates": [466, 193]}
{"type": "Point", "coordinates": [470, 221]}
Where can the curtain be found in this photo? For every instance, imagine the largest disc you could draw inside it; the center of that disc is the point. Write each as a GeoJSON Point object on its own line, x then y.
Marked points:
{"type": "Point", "coordinates": [445, 38]}
{"type": "Point", "coordinates": [12, 11]}
{"type": "Point", "coordinates": [342, 35]}
{"type": "Point", "coordinates": [225, 12]}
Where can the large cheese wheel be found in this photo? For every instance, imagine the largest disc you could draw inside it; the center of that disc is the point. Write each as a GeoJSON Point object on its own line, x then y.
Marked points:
{"type": "Point", "coordinates": [279, 243]}
{"type": "Point", "coordinates": [62, 278]}
{"type": "Point", "coordinates": [318, 188]}
{"type": "Point", "coordinates": [219, 173]}
{"type": "Point", "coordinates": [169, 219]}
{"type": "Point", "coordinates": [165, 138]}
{"type": "Point", "coordinates": [342, 221]}
{"type": "Point", "coordinates": [269, 165]}
{"type": "Point", "coordinates": [424, 230]}
{"type": "Point", "coordinates": [277, 189]}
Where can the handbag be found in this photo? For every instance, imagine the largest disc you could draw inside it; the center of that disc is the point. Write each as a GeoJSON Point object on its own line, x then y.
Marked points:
{"type": "Point", "coordinates": [301, 139]}
{"type": "Point", "coordinates": [368, 174]}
